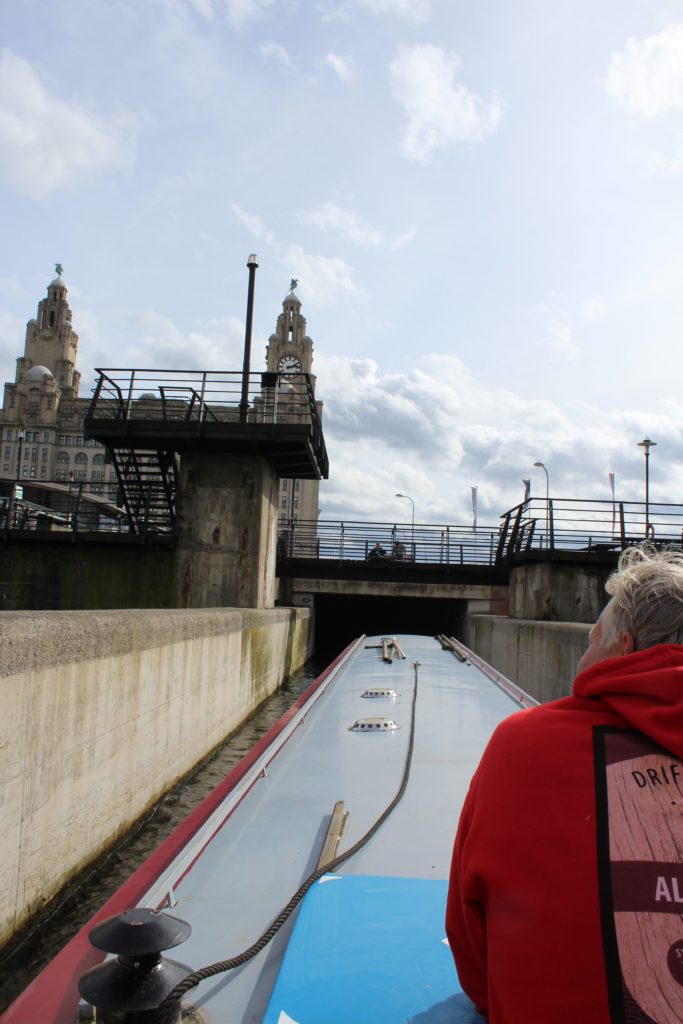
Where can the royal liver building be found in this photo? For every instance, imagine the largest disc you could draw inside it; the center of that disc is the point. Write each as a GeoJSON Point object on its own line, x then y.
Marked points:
{"type": "Point", "coordinates": [41, 424]}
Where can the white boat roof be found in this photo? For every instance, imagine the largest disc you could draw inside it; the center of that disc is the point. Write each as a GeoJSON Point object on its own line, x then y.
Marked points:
{"type": "Point", "coordinates": [238, 862]}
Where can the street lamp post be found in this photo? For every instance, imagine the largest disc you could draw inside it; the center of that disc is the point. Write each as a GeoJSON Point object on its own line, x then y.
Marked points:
{"type": "Point", "coordinates": [412, 525]}
{"type": "Point", "coordinates": [252, 263]}
{"type": "Point", "coordinates": [540, 465]}
{"type": "Point", "coordinates": [646, 443]}
{"type": "Point", "coordinates": [68, 512]}
{"type": "Point", "coordinates": [15, 493]}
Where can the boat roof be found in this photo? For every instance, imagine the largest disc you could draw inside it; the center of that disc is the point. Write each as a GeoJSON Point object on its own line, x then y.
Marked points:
{"type": "Point", "coordinates": [236, 861]}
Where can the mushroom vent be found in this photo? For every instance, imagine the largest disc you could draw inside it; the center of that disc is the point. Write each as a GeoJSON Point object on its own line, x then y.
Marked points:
{"type": "Point", "coordinates": [380, 691]}
{"type": "Point", "coordinates": [374, 725]}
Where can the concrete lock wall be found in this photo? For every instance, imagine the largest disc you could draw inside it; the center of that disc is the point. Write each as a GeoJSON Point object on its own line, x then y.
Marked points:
{"type": "Point", "coordinates": [102, 712]}
{"type": "Point", "coordinates": [541, 657]}
{"type": "Point", "coordinates": [556, 592]}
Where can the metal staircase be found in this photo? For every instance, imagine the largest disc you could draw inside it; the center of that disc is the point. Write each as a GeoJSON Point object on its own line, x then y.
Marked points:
{"type": "Point", "coordinates": [148, 480]}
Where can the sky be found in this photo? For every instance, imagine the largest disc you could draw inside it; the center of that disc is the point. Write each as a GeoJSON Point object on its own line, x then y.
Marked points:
{"type": "Point", "coordinates": [482, 203]}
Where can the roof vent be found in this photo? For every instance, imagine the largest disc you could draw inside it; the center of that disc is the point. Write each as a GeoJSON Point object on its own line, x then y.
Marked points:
{"type": "Point", "coordinates": [380, 691]}
{"type": "Point", "coordinates": [374, 725]}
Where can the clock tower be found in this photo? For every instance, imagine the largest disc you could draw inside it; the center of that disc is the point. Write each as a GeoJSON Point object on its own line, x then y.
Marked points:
{"type": "Point", "coordinates": [290, 350]}
{"type": "Point", "coordinates": [290, 353]}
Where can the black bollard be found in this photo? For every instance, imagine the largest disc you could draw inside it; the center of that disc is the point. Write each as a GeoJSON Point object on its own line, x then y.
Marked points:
{"type": "Point", "coordinates": [131, 989]}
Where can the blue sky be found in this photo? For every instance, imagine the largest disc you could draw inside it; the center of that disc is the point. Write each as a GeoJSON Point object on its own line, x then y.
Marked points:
{"type": "Point", "coordinates": [482, 203]}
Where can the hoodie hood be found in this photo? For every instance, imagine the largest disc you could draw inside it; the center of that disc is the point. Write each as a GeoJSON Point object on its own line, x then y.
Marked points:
{"type": "Point", "coordinates": [645, 689]}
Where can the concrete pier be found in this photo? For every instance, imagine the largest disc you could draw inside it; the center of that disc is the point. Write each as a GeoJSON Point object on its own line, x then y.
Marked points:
{"type": "Point", "coordinates": [227, 527]}
{"type": "Point", "coordinates": [104, 711]}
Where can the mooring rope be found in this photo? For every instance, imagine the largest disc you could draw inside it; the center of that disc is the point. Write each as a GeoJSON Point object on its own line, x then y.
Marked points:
{"type": "Point", "coordinates": [242, 958]}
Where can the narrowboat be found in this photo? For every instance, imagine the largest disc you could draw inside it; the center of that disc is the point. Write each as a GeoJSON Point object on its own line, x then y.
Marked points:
{"type": "Point", "coordinates": [310, 886]}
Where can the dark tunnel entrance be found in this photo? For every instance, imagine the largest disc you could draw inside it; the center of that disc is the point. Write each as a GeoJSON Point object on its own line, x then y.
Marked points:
{"type": "Point", "coordinates": [340, 619]}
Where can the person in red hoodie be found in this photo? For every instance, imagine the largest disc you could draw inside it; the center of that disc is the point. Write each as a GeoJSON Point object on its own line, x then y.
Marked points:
{"type": "Point", "coordinates": [565, 901]}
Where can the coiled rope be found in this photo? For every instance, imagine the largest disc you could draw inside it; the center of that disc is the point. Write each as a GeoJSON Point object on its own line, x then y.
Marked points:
{"type": "Point", "coordinates": [242, 958]}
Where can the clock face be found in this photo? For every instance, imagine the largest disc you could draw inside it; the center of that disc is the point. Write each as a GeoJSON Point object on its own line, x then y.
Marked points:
{"type": "Point", "coordinates": [289, 365]}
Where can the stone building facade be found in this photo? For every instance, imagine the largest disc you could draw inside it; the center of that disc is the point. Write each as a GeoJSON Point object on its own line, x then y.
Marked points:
{"type": "Point", "coordinates": [41, 421]}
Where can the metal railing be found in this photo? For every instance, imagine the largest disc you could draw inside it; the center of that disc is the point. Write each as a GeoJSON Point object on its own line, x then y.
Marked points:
{"type": "Point", "coordinates": [382, 543]}
{"type": "Point", "coordinates": [570, 524]}
{"type": "Point", "coordinates": [60, 507]}
{"type": "Point", "coordinates": [198, 397]}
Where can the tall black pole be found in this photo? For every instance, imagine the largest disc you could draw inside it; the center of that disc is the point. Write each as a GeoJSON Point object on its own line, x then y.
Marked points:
{"type": "Point", "coordinates": [647, 444]}
{"type": "Point", "coordinates": [252, 263]}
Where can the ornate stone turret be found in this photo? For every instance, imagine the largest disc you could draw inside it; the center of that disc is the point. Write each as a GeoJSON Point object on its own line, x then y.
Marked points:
{"type": "Point", "coordinates": [51, 341]}
{"type": "Point", "coordinates": [290, 353]}
{"type": "Point", "coordinates": [290, 350]}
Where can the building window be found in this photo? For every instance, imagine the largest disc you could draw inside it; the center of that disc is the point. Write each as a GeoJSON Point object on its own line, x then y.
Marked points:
{"type": "Point", "coordinates": [44, 455]}
{"type": "Point", "coordinates": [98, 474]}
{"type": "Point", "coordinates": [34, 455]}
{"type": "Point", "coordinates": [79, 474]}
{"type": "Point", "coordinates": [96, 489]}
{"type": "Point", "coordinates": [81, 458]}
{"type": "Point", "coordinates": [112, 475]}
{"type": "Point", "coordinates": [33, 470]}
{"type": "Point", "coordinates": [67, 440]}
{"type": "Point", "coordinates": [46, 436]}
{"type": "Point", "coordinates": [60, 439]}
{"type": "Point", "coordinates": [63, 457]}
{"type": "Point", "coordinates": [295, 503]}
{"type": "Point", "coordinates": [8, 453]}
{"type": "Point", "coordinates": [79, 441]}
{"type": "Point", "coordinates": [296, 485]}
{"type": "Point", "coordinates": [284, 502]}
{"type": "Point", "coordinates": [9, 433]}
{"type": "Point", "coordinates": [6, 467]}
{"type": "Point", "coordinates": [98, 460]}
{"type": "Point", "coordinates": [43, 472]}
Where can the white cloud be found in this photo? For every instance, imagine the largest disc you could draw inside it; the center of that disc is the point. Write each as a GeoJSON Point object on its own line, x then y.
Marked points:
{"type": "Point", "coordinates": [324, 280]}
{"type": "Point", "coordinates": [253, 224]}
{"type": "Point", "coordinates": [647, 77]}
{"type": "Point", "coordinates": [438, 108]}
{"type": "Point", "coordinates": [346, 222]}
{"type": "Point", "coordinates": [557, 329]}
{"type": "Point", "coordinates": [591, 309]}
{"type": "Point", "coordinates": [276, 51]}
{"type": "Point", "coordinates": [241, 12]}
{"type": "Point", "coordinates": [47, 144]}
{"type": "Point", "coordinates": [435, 430]}
{"type": "Point", "coordinates": [352, 228]}
{"type": "Point", "coordinates": [342, 66]}
{"type": "Point", "coordinates": [215, 344]}
{"type": "Point", "coordinates": [411, 10]}
{"type": "Point", "coordinates": [12, 333]}
{"type": "Point", "coordinates": [203, 7]}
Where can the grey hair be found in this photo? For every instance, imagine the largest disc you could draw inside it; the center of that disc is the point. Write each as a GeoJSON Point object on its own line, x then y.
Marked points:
{"type": "Point", "coordinates": [647, 598]}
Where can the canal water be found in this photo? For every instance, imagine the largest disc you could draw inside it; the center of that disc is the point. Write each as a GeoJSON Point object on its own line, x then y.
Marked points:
{"type": "Point", "coordinates": [24, 962]}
